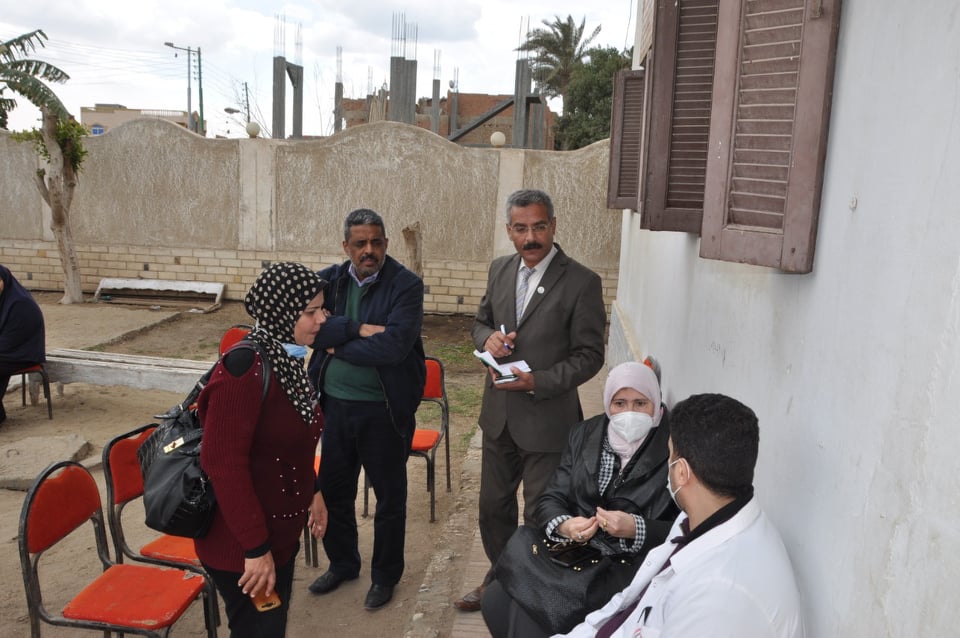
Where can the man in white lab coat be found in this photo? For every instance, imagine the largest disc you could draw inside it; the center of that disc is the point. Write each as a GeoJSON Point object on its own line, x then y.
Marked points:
{"type": "Point", "coordinates": [723, 571]}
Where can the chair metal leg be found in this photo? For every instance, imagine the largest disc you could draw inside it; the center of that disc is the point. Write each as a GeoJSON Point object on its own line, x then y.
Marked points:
{"type": "Point", "coordinates": [45, 379]}
{"type": "Point", "coordinates": [46, 392]}
{"type": "Point", "coordinates": [310, 557]}
{"type": "Point", "coordinates": [447, 441]}
{"type": "Point", "coordinates": [431, 487]}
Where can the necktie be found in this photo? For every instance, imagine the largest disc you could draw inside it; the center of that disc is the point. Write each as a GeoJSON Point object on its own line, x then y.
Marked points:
{"type": "Point", "coordinates": [616, 621]}
{"type": "Point", "coordinates": [522, 289]}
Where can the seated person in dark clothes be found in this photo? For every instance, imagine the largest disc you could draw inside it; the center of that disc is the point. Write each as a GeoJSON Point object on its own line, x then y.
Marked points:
{"type": "Point", "coordinates": [609, 492]}
{"type": "Point", "coordinates": [22, 341]}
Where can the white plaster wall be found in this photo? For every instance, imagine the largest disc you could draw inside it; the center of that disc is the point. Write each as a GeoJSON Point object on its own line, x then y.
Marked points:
{"type": "Point", "coordinates": [854, 370]}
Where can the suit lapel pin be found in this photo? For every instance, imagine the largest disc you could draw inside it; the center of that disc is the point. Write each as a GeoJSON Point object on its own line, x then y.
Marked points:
{"type": "Point", "coordinates": [540, 290]}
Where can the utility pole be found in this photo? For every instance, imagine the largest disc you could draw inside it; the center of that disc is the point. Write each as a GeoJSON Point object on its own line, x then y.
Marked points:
{"type": "Point", "coordinates": [202, 127]}
{"type": "Point", "coordinates": [191, 125]}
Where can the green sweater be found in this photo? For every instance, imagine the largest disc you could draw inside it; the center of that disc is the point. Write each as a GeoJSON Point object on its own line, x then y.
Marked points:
{"type": "Point", "coordinates": [345, 380]}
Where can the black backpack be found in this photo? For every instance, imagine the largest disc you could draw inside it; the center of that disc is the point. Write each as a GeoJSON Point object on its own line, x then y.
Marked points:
{"type": "Point", "coordinates": [178, 498]}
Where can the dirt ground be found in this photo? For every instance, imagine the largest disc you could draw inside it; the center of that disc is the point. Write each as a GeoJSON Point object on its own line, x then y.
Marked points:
{"type": "Point", "coordinates": [98, 413]}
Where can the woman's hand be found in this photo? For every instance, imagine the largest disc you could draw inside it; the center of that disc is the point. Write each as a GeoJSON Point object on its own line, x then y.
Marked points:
{"type": "Point", "coordinates": [578, 528]}
{"type": "Point", "coordinates": [259, 575]}
{"type": "Point", "coordinates": [616, 523]}
{"type": "Point", "coordinates": [317, 519]}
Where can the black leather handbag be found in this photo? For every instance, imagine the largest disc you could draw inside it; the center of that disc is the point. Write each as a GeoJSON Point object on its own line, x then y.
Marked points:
{"type": "Point", "coordinates": [178, 497]}
{"type": "Point", "coordinates": [558, 585]}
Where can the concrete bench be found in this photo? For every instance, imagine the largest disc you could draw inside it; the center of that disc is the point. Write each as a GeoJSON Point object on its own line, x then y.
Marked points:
{"type": "Point", "coordinates": [156, 291]}
{"type": "Point", "coordinates": [65, 365]}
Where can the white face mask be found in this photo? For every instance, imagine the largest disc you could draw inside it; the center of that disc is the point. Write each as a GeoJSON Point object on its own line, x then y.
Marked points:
{"type": "Point", "coordinates": [673, 493]}
{"type": "Point", "coordinates": [632, 426]}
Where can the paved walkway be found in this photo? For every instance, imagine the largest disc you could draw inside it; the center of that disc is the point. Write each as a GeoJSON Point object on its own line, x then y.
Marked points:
{"type": "Point", "coordinates": [470, 624]}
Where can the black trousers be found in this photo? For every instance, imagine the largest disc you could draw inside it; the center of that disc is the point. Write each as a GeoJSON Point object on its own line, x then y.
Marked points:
{"type": "Point", "coordinates": [361, 433]}
{"type": "Point", "coordinates": [242, 617]}
{"type": "Point", "coordinates": [503, 465]}
{"type": "Point", "coordinates": [505, 618]}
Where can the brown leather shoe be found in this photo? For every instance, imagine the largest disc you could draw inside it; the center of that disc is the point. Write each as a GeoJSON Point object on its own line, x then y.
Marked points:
{"type": "Point", "coordinates": [470, 600]}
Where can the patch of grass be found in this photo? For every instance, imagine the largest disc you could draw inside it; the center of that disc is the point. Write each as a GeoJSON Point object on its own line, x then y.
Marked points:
{"type": "Point", "coordinates": [465, 400]}
{"type": "Point", "coordinates": [455, 356]}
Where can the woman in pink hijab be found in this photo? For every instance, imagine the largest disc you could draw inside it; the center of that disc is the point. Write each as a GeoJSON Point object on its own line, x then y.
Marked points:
{"type": "Point", "coordinates": [609, 494]}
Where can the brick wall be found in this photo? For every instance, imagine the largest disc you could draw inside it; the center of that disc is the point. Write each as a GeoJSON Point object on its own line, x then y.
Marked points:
{"type": "Point", "coordinates": [141, 211]}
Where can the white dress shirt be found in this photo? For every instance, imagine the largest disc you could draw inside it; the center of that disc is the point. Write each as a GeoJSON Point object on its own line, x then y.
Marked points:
{"type": "Point", "coordinates": [533, 283]}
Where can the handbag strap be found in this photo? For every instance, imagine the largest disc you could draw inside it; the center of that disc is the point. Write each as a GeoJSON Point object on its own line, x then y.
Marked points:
{"type": "Point", "coordinates": [190, 400]}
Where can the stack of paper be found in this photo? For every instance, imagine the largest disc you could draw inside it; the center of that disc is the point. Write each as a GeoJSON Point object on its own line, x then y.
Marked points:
{"type": "Point", "coordinates": [504, 374]}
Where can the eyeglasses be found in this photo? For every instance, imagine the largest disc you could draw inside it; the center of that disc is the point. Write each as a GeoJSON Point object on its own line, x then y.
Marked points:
{"type": "Point", "coordinates": [522, 229]}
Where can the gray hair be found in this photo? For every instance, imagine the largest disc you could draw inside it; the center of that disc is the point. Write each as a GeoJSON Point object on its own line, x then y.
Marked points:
{"type": "Point", "coordinates": [362, 217]}
{"type": "Point", "coordinates": [527, 197]}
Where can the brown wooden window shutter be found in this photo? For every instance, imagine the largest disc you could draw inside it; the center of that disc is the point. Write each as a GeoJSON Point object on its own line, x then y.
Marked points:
{"type": "Point", "coordinates": [772, 92]}
{"type": "Point", "coordinates": [626, 128]}
{"type": "Point", "coordinates": [680, 101]}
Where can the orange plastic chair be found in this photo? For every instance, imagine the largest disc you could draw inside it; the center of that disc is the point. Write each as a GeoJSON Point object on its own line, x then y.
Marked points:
{"type": "Point", "coordinates": [427, 440]}
{"type": "Point", "coordinates": [137, 599]}
{"type": "Point", "coordinates": [121, 471]}
{"type": "Point", "coordinates": [233, 335]}
{"type": "Point", "coordinates": [45, 379]}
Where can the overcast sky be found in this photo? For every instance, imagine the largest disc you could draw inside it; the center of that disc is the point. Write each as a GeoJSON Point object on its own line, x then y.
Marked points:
{"type": "Point", "coordinates": [114, 52]}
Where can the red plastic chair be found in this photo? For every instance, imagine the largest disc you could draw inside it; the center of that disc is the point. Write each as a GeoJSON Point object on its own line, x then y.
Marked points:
{"type": "Point", "coordinates": [137, 599]}
{"type": "Point", "coordinates": [233, 335]}
{"type": "Point", "coordinates": [35, 369]}
{"type": "Point", "coordinates": [427, 440]}
{"type": "Point", "coordinates": [121, 471]}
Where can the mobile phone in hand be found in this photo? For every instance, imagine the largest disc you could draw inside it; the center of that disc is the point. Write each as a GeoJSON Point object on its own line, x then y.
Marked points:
{"type": "Point", "coordinates": [265, 603]}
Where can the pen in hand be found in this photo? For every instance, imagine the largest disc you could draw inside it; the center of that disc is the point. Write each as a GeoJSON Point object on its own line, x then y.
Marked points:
{"type": "Point", "coordinates": [503, 330]}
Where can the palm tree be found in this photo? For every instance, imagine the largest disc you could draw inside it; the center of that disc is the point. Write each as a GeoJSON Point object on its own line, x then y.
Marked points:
{"type": "Point", "coordinates": [559, 49]}
{"type": "Point", "coordinates": [27, 76]}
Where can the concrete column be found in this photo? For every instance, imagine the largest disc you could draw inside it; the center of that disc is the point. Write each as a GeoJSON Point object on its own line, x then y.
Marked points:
{"type": "Point", "coordinates": [454, 105]}
{"type": "Point", "coordinates": [279, 96]}
{"type": "Point", "coordinates": [435, 111]}
{"type": "Point", "coordinates": [510, 179]}
{"type": "Point", "coordinates": [520, 92]}
{"type": "Point", "coordinates": [396, 91]}
{"type": "Point", "coordinates": [257, 179]}
{"type": "Point", "coordinates": [296, 78]}
{"type": "Point", "coordinates": [338, 107]}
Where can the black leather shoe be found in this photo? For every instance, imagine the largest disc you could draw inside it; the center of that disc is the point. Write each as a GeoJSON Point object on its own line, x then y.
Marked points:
{"type": "Point", "coordinates": [378, 596]}
{"type": "Point", "coordinates": [327, 583]}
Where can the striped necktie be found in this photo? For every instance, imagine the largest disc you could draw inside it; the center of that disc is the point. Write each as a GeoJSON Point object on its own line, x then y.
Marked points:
{"type": "Point", "coordinates": [522, 289]}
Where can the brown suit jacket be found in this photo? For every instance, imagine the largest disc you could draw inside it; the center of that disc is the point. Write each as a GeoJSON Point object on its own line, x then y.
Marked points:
{"type": "Point", "coordinates": [560, 336]}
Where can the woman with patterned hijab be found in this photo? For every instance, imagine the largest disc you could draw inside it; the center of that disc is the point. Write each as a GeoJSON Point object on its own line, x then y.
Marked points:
{"type": "Point", "coordinates": [258, 452]}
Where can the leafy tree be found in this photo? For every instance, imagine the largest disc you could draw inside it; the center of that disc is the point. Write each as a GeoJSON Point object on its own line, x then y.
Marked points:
{"type": "Point", "coordinates": [587, 109]}
{"type": "Point", "coordinates": [59, 142]}
{"type": "Point", "coordinates": [558, 50]}
{"type": "Point", "coordinates": [27, 76]}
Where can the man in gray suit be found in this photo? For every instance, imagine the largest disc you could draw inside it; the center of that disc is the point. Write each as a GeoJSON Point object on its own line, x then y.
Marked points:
{"type": "Point", "coordinates": [542, 307]}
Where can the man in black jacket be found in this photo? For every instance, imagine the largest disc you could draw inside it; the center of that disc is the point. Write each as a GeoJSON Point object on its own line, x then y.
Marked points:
{"type": "Point", "coordinates": [369, 370]}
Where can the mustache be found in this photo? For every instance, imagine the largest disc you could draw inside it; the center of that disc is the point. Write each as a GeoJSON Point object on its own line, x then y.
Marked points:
{"type": "Point", "coordinates": [530, 245]}
{"type": "Point", "coordinates": [371, 257]}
